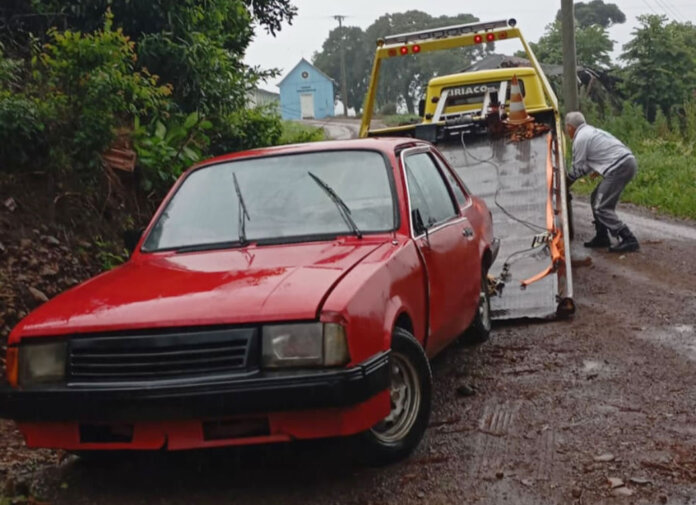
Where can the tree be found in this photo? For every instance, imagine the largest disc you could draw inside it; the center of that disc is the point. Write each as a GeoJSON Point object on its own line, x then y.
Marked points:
{"type": "Point", "coordinates": [660, 61]}
{"type": "Point", "coordinates": [402, 79]}
{"type": "Point", "coordinates": [196, 45]}
{"type": "Point", "coordinates": [183, 72]}
{"type": "Point", "coordinates": [352, 41]}
{"type": "Point", "coordinates": [592, 46]}
{"type": "Point", "coordinates": [596, 12]}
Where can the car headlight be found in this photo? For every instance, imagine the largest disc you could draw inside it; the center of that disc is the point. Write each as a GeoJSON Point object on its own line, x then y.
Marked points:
{"type": "Point", "coordinates": [304, 344]}
{"type": "Point", "coordinates": [42, 363]}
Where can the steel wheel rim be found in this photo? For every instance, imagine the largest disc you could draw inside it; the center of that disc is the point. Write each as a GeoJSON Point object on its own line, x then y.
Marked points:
{"type": "Point", "coordinates": [405, 394]}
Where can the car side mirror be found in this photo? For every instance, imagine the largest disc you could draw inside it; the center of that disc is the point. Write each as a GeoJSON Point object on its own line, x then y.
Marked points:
{"type": "Point", "coordinates": [418, 225]}
{"type": "Point", "coordinates": [131, 237]}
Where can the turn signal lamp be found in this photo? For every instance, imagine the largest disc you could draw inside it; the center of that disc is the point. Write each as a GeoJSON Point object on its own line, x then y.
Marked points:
{"type": "Point", "coordinates": [478, 39]}
{"type": "Point", "coordinates": [12, 366]}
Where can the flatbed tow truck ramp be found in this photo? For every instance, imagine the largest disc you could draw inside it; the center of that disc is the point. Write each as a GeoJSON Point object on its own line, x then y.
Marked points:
{"type": "Point", "coordinates": [507, 149]}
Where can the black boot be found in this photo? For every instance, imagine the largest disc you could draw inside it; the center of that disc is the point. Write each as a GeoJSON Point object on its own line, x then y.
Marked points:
{"type": "Point", "coordinates": [627, 242]}
{"type": "Point", "coordinates": [601, 239]}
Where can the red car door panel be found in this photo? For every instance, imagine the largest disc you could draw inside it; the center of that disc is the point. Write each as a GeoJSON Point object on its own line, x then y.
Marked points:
{"type": "Point", "coordinates": [447, 250]}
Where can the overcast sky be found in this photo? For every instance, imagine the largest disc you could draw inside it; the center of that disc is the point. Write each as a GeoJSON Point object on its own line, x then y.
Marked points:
{"type": "Point", "coordinates": [314, 21]}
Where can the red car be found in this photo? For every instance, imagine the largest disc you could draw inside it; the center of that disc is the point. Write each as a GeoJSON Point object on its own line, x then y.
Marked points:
{"type": "Point", "coordinates": [278, 294]}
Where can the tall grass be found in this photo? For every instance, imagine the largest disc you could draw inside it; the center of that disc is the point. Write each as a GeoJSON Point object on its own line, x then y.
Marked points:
{"type": "Point", "coordinates": [295, 132]}
{"type": "Point", "coordinates": [666, 155]}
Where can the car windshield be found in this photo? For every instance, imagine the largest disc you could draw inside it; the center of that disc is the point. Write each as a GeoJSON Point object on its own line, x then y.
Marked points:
{"type": "Point", "coordinates": [285, 197]}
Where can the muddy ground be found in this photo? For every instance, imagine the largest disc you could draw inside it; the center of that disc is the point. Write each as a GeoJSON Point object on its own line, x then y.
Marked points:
{"type": "Point", "coordinates": [558, 408]}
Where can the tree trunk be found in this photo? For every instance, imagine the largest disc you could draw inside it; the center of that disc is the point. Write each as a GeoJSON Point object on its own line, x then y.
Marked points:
{"type": "Point", "coordinates": [409, 101]}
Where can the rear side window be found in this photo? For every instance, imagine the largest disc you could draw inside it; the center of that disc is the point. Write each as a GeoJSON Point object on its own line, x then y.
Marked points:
{"type": "Point", "coordinates": [427, 190]}
{"type": "Point", "coordinates": [459, 194]}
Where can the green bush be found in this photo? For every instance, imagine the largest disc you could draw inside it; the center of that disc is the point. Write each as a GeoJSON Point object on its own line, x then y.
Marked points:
{"type": "Point", "coordinates": [165, 150]}
{"type": "Point", "coordinates": [401, 119]}
{"type": "Point", "coordinates": [247, 129]}
{"type": "Point", "coordinates": [79, 89]}
{"type": "Point", "coordinates": [94, 80]}
{"type": "Point", "coordinates": [298, 133]}
{"type": "Point", "coordinates": [388, 109]}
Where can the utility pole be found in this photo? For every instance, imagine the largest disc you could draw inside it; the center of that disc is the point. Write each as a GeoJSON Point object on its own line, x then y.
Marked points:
{"type": "Point", "coordinates": [570, 71]}
{"type": "Point", "coordinates": [344, 87]}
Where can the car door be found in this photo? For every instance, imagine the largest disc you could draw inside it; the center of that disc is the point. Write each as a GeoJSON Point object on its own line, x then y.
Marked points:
{"type": "Point", "coordinates": [445, 243]}
{"type": "Point", "coordinates": [466, 208]}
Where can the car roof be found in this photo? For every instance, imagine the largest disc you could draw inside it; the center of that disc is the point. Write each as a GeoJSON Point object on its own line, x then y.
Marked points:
{"type": "Point", "coordinates": [383, 144]}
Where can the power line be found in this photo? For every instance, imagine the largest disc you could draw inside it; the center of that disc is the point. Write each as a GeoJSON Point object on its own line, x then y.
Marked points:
{"type": "Point", "coordinates": [673, 8]}
{"type": "Point", "coordinates": [664, 7]}
{"type": "Point", "coordinates": [649, 6]}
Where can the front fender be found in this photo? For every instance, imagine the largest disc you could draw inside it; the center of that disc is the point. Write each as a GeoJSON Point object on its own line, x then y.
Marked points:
{"type": "Point", "coordinates": [389, 282]}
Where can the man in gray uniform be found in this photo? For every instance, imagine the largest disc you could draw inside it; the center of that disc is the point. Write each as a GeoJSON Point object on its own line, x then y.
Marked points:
{"type": "Point", "coordinates": [599, 151]}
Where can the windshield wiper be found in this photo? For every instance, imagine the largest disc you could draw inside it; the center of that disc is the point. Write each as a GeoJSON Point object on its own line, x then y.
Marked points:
{"type": "Point", "coordinates": [243, 214]}
{"type": "Point", "coordinates": [340, 204]}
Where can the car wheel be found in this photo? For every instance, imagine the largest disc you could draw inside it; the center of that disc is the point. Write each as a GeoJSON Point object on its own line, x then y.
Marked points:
{"type": "Point", "coordinates": [398, 434]}
{"type": "Point", "coordinates": [480, 329]}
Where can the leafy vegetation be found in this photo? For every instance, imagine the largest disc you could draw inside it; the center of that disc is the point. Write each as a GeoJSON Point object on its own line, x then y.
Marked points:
{"type": "Point", "coordinates": [592, 45]}
{"type": "Point", "coordinates": [166, 150]}
{"type": "Point", "coordinates": [596, 12]}
{"type": "Point", "coordinates": [400, 119]}
{"type": "Point", "coordinates": [165, 78]}
{"type": "Point", "coordinates": [660, 64]}
{"type": "Point", "coordinates": [295, 133]}
{"type": "Point", "coordinates": [408, 76]}
{"type": "Point", "coordinates": [62, 108]}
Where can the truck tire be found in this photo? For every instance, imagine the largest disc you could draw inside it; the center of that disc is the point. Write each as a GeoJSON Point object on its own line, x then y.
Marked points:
{"type": "Point", "coordinates": [480, 329]}
{"type": "Point", "coordinates": [398, 434]}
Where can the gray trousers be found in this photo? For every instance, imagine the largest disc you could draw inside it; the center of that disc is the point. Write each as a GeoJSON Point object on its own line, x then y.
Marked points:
{"type": "Point", "coordinates": [606, 195]}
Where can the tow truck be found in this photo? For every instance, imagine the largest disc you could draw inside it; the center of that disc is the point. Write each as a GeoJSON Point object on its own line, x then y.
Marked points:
{"type": "Point", "coordinates": [517, 165]}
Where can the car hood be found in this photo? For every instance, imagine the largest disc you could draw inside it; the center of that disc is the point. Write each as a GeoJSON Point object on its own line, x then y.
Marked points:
{"type": "Point", "coordinates": [253, 284]}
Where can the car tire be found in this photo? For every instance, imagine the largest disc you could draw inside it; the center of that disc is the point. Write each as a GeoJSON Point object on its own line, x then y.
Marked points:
{"type": "Point", "coordinates": [398, 434]}
{"type": "Point", "coordinates": [480, 329]}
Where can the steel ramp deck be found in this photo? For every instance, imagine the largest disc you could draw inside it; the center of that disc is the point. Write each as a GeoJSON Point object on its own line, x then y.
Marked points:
{"type": "Point", "coordinates": [517, 171]}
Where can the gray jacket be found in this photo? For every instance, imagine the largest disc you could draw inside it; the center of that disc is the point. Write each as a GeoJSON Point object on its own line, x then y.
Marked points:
{"type": "Point", "coordinates": [596, 150]}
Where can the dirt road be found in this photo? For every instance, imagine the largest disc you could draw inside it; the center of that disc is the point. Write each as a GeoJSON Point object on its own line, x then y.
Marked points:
{"type": "Point", "coordinates": [337, 128]}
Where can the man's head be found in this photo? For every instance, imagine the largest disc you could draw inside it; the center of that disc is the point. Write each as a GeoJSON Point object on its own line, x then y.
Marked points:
{"type": "Point", "coordinates": [573, 120]}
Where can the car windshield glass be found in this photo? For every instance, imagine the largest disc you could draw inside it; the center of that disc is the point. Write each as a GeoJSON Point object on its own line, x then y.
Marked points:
{"type": "Point", "coordinates": [281, 198]}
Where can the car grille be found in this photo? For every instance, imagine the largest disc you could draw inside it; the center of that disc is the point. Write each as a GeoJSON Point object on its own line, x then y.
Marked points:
{"type": "Point", "coordinates": [161, 356]}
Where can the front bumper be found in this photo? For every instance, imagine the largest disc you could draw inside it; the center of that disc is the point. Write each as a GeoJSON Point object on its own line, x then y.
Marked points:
{"type": "Point", "coordinates": [196, 399]}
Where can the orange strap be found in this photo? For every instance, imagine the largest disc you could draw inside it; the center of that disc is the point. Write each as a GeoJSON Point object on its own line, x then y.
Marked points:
{"type": "Point", "coordinates": [556, 242]}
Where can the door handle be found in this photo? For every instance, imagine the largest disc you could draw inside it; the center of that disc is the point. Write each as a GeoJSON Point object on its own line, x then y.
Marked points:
{"type": "Point", "coordinates": [468, 232]}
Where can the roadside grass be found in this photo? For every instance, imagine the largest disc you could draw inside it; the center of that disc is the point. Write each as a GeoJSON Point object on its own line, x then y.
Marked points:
{"type": "Point", "coordinates": [295, 132]}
